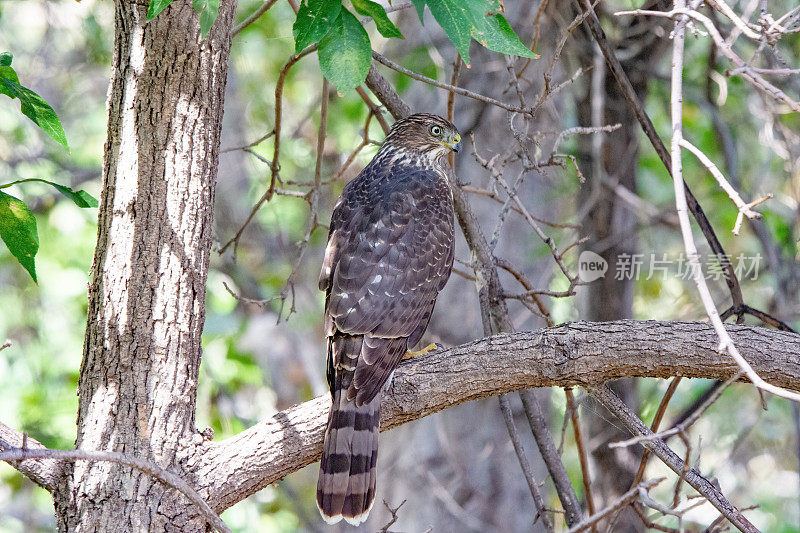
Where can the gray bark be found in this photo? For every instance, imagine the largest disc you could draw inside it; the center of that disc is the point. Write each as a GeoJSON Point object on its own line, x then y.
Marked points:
{"type": "Point", "coordinates": [146, 300]}
{"type": "Point", "coordinates": [569, 355]}
{"type": "Point", "coordinates": [581, 353]}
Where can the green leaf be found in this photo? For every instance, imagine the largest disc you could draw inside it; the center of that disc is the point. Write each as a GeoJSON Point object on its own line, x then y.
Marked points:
{"type": "Point", "coordinates": [18, 231]}
{"type": "Point", "coordinates": [34, 107]}
{"type": "Point", "coordinates": [495, 33]}
{"type": "Point", "coordinates": [8, 73]}
{"type": "Point", "coordinates": [81, 198]}
{"type": "Point", "coordinates": [456, 21]}
{"type": "Point", "coordinates": [378, 14]}
{"type": "Point", "coordinates": [208, 10]}
{"type": "Point", "coordinates": [315, 19]}
{"type": "Point", "coordinates": [156, 7]}
{"type": "Point", "coordinates": [464, 20]}
{"type": "Point", "coordinates": [345, 53]}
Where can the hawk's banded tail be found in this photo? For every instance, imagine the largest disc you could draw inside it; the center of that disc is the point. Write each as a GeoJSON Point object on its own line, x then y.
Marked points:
{"type": "Point", "coordinates": [346, 486]}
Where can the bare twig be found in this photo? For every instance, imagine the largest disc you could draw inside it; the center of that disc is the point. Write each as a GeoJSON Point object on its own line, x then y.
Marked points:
{"type": "Point", "coordinates": [686, 424]}
{"type": "Point", "coordinates": [743, 68]}
{"type": "Point", "coordinates": [374, 109]}
{"type": "Point", "coordinates": [662, 408]}
{"type": "Point", "coordinates": [744, 209]}
{"type": "Point", "coordinates": [629, 93]}
{"type": "Point", "coordinates": [274, 165]}
{"type": "Point", "coordinates": [451, 100]}
{"type": "Point", "coordinates": [572, 409]}
{"type": "Point", "coordinates": [253, 17]}
{"type": "Point", "coordinates": [393, 512]}
{"type": "Point", "coordinates": [153, 470]}
{"type": "Point", "coordinates": [533, 486]}
{"type": "Point", "coordinates": [313, 203]}
{"type": "Point", "coordinates": [726, 343]}
{"type": "Point", "coordinates": [619, 503]}
{"type": "Point", "coordinates": [446, 86]}
{"type": "Point", "coordinates": [714, 496]}
{"type": "Point", "coordinates": [544, 440]}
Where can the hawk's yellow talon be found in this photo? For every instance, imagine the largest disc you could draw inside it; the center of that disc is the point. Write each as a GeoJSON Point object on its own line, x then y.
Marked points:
{"type": "Point", "coordinates": [429, 348]}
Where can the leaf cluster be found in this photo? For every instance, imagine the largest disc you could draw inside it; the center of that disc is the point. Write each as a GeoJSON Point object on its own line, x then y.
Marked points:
{"type": "Point", "coordinates": [344, 47]}
{"type": "Point", "coordinates": [17, 223]}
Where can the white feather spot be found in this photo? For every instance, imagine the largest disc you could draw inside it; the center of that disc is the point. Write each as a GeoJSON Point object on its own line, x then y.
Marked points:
{"type": "Point", "coordinates": [377, 278]}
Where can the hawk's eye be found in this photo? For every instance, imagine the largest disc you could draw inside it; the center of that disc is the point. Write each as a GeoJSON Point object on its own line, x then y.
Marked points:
{"type": "Point", "coordinates": [436, 131]}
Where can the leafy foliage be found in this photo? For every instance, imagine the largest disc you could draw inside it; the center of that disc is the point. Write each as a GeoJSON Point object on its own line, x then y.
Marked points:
{"type": "Point", "coordinates": [18, 225]}
{"type": "Point", "coordinates": [315, 19]}
{"type": "Point", "coordinates": [18, 231]}
{"type": "Point", "coordinates": [378, 14]}
{"type": "Point", "coordinates": [156, 7]}
{"type": "Point", "coordinates": [33, 106]}
{"type": "Point", "coordinates": [464, 20]}
{"type": "Point", "coordinates": [345, 48]}
{"type": "Point", "coordinates": [208, 10]}
{"type": "Point", "coordinates": [345, 53]}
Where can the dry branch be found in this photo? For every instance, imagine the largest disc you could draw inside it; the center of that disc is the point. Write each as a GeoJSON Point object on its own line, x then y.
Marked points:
{"type": "Point", "coordinates": [170, 479]}
{"type": "Point", "coordinates": [567, 355]}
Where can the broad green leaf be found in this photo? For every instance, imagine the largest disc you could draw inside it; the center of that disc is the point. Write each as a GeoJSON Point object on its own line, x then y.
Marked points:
{"type": "Point", "coordinates": [345, 53]}
{"type": "Point", "coordinates": [8, 73]}
{"type": "Point", "coordinates": [208, 10]}
{"type": "Point", "coordinates": [464, 20]}
{"type": "Point", "coordinates": [18, 231]}
{"type": "Point", "coordinates": [495, 33]}
{"type": "Point", "coordinates": [378, 14]}
{"type": "Point", "coordinates": [156, 7]}
{"type": "Point", "coordinates": [456, 21]}
{"type": "Point", "coordinates": [35, 108]}
{"type": "Point", "coordinates": [81, 198]}
{"type": "Point", "coordinates": [315, 19]}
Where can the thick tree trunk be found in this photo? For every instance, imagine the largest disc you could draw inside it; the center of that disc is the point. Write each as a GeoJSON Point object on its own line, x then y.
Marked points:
{"type": "Point", "coordinates": [146, 301]}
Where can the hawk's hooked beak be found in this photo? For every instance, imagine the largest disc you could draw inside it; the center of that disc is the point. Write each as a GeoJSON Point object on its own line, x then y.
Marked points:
{"type": "Point", "coordinates": [455, 143]}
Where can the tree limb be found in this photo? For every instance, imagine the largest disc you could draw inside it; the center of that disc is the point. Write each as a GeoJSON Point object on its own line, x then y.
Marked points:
{"type": "Point", "coordinates": [43, 472]}
{"type": "Point", "coordinates": [610, 401]}
{"type": "Point", "coordinates": [568, 355]}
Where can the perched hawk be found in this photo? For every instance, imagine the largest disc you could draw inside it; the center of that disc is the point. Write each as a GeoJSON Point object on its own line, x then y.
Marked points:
{"type": "Point", "coordinates": [390, 252]}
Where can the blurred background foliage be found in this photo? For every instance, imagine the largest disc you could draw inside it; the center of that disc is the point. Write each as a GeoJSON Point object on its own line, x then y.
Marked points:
{"type": "Point", "coordinates": [256, 363]}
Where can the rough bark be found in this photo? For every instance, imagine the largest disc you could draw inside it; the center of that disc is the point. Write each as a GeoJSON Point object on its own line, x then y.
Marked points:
{"type": "Point", "coordinates": [568, 355]}
{"type": "Point", "coordinates": [146, 300]}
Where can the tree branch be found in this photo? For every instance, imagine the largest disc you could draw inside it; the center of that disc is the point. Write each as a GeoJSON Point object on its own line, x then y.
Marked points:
{"type": "Point", "coordinates": [567, 355]}
{"type": "Point", "coordinates": [43, 472]}
{"type": "Point", "coordinates": [27, 454]}
{"type": "Point", "coordinates": [609, 400]}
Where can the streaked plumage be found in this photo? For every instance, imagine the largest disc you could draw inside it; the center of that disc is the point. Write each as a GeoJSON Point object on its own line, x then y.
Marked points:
{"type": "Point", "coordinates": [390, 252]}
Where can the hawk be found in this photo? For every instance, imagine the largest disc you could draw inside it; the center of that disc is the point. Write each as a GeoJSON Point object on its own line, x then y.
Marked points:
{"type": "Point", "coordinates": [390, 251]}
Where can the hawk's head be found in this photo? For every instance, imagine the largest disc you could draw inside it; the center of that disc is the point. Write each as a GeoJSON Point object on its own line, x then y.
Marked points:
{"type": "Point", "coordinates": [427, 134]}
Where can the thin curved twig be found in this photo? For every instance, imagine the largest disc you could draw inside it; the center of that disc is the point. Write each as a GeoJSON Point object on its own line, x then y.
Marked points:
{"type": "Point", "coordinates": [151, 469]}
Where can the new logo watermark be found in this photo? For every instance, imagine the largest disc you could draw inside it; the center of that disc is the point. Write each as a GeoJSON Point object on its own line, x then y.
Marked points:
{"type": "Point", "coordinates": [591, 266]}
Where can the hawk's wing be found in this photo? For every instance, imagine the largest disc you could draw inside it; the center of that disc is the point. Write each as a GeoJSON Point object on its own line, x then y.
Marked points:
{"type": "Point", "coordinates": [390, 252]}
